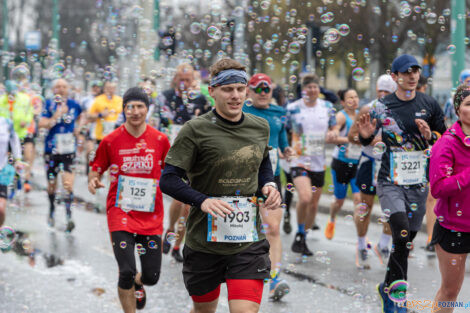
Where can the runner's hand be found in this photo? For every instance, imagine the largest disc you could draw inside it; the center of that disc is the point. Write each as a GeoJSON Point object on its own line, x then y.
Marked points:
{"type": "Point", "coordinates": [273, 200]}
{"type": "Point", "coordinates": [424, 128]}
{"type": "Point", "coordinates": [365, 126]}
{"type": "Point", "coordinates": [288, 152]}
{"type": "Point", "coordinates": [216, 207]}
{"type": "Point", "coordinates": [105, 113]}
{"type": "Point", "coordinates": [94, 184]}
{"type": "Point", "coordinates": [331, 136]}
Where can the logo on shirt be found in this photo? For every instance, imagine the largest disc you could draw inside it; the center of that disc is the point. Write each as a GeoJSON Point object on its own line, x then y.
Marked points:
{"type": "Point", "coordinates": [137, 164]}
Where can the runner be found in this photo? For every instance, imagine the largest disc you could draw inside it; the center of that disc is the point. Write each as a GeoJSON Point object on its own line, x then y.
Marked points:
{"type": "Point", "coordinates": [409, 121]}
{"type": "Point", "coordinates": [177, 106]}
{"type": "Point", "coordinates": [105, 111]}
{"type": "Point", "coordinates": [59, 117]}
{"type": "Point", "coordinates": [134, 153]}
{"type": "Point", "coordinates": [259, 104]}
{"type": "Point", "coordinates": [449, 111]}
{"type": "Point", "coordinates": [366, 181]}
{"type": "Point", "coordinates": [308, 140]}
{"type": "Point", "coordinates": [450, 184]}
{"type": "Point", "coordinates": [224, 153]}
{"type": "Point", "coordinates": [345, 158]}
{"type": "Point", "coordinates": [8, 138]}
{"type": "Point", "coordinates": [16, 106]}
{"type": "Point", "coordinates": [88, 136]}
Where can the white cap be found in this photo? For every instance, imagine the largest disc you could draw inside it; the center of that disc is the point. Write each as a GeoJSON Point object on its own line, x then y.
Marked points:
{"type": "Point", "coordinates": [386, 83]}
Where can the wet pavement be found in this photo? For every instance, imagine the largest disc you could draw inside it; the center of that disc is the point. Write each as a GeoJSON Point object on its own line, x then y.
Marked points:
{"type": "Point", "coordinates": [77, 272]}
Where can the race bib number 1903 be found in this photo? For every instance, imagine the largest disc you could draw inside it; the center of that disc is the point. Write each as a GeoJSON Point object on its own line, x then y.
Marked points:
{"type": "Point", "coordinates": [239, 226]}
{"type": "Point", "coordinates": [136, 194]}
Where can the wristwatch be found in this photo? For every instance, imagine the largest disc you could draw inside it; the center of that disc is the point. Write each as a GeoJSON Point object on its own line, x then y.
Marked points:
{"type": "Point", "coordinates": [272, 184]}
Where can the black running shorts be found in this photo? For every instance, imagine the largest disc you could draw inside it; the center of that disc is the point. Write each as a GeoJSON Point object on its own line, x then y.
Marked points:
{"type": "Point", "coordinates": [3, 191]}
{"type": "Point", "coordinates": [203, 272]}
{"type": "Point", "coordinates": [57, 162]}
{"type": "Point", "coordinates": [451, 241]}
{"type": "Point", "coordinates": [317, 178]}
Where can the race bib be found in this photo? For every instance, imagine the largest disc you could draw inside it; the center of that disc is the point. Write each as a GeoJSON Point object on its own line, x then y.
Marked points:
{"type": "Point", "coordinates": [273, 157]}
{"type": "Point", "coordinates": [313, 144]}
{"type": "Point", "coordinates": [173, 132]}
{"type": "Point", "coordinates": [108, 127]}
{"type": "Point", "coordinates": [353, 151]}
{"type": "Point", "coordinates": [64, 143]}
{"type": "Point", "coordinates": [239, 226]}
{"type": "Point", "coordinates": [408, 168]}
{"type": "Point", "coordinates": [136, 194]}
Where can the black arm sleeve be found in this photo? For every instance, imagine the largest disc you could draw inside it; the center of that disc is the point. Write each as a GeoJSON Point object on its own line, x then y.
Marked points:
{"type": "Point", "coordinates": [366, 141]}
{"type": "Point", "coordinates": [265, 174]}
{"type": "Point", "coordinates": [173, 185]}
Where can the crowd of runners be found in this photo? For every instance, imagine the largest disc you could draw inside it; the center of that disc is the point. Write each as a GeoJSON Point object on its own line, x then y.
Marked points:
{"type": "Point", "coordinates": [233, 152]}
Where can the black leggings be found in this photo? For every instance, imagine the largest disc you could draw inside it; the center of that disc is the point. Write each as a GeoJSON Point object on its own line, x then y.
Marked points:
{"type": "Point", "coordinates": [150, 257]}
{"type": "Point", "coordinates": [288, 195]}
{"type": "Point", "coordinates": [398, 262]}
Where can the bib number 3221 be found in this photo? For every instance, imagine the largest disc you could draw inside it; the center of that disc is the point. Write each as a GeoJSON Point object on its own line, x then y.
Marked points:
{"type": "Point", "coordinates": [408, 167]}
{"type": "Point", "coordinates": [239, 226]}
{"type": "Point", "coordinates": [136, 194]}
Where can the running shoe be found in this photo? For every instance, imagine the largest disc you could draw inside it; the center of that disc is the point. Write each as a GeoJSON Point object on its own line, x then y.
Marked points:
{"type": "Point", "coordinates": [330, 230]}
{"type": "Point", "coordinates": [300, 246]}
{"type": "Point", "coordinates": [315, 226]}
{"type": "Point", "coordinates": [70, 226]}
{"type": "Point", "coordinates": [382, 254]}
{"type": "Point", "coordinates": [166, 244]}
{"type": "Point", "coordinates": [50, 221]}
{"type": "Point", "coordinates": [430, 248]}
{"type": "Point", "coordinates": [388, 306]}
{"type": "Point", "coordinates": [362, 259]}
{"type": "Point", "coordinates": [177, 256]}
{"type": "Point", "coordinates": [297, 245]}
{"type": "Point", "coordinates": [287, 227]}
{"type": "Point", "coordinates": [27, 187]}
{"type": "Point", "coordinates": [140, 296]}
{"type": "Point", "coordinates": [278, 289]}
{"type": "Point", "coordinates": [401, 307]}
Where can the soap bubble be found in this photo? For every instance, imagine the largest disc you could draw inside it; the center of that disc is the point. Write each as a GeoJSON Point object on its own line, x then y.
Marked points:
{"type": "Point", "coordinates": [358, 74]}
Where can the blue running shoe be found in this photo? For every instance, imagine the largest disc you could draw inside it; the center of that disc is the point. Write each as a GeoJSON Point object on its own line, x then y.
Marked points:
{"type": "Point", "coordinates": [388, 306]}
{"type": "Point", "coordinates": [278, 289]}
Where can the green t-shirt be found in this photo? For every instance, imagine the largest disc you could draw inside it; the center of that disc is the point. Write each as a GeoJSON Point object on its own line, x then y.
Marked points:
{"type": "Point", "coordinates": [220, 159]}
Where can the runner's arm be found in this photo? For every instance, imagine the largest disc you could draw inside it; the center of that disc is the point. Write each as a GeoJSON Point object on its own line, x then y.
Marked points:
{"type": "Point", "coordinates": [444, 185]}
{"type": "Point", "coordinates": [265, 174]}
{"type": "Point", "coordinates": [340, 121]}
{"type": "Point", "coordinates": [353, 134]}
{"type": "Point", "coordinates": [15, 144]}
{"type": "Point", "coordinates": [172, 184]}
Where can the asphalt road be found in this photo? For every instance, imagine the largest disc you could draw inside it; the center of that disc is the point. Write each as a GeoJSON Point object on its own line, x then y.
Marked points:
{"type": "Point", "coordinates": [84, 274]}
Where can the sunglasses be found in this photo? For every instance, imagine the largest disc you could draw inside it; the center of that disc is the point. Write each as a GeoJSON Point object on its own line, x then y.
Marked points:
{"type": "Point", "coordinates": [259, 90]}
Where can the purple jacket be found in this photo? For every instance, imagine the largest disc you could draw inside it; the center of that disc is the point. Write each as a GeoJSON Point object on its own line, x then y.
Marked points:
{"type": "Point", "coordinates": [449, 174]}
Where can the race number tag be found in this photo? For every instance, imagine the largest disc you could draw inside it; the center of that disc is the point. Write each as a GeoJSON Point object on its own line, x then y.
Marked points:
{"type": "Point", "coordinates": [313, 144]}
{"type": "Point", "coordinates": [408, 168]}
{"type": "Point", "coordinates": [353, 151]}
{"type": "Point", "coordinates": [174, 131]}
{"type": "Point", "coordinates": [136, 194]}
{"type": "Point", "coordinates": [108, 127]}
{"type": "Point", "coordinates": [239, 226]}
{"type": "Point", "coordinates": [273, 157]}
{"type": "Point", "coordinates": [64, 143]}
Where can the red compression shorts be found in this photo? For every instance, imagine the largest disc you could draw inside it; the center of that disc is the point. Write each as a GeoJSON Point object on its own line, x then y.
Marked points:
{"type": "Point", "coordinates": [238, 289]}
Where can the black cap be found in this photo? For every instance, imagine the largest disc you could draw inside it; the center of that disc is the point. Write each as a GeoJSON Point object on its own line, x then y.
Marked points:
{"type": "Point", "coordinates": [135, 94]}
